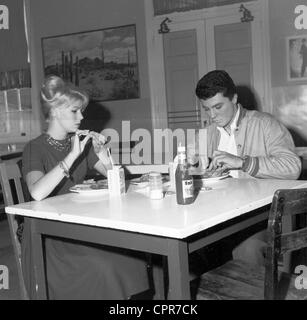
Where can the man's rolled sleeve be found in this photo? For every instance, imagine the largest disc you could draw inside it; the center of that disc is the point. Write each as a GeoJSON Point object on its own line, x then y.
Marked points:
{"type": "Point", "coordinates": [251, 165]}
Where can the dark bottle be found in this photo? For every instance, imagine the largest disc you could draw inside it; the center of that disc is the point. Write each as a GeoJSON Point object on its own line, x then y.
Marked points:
{"type": "Point", "coordinates": [184, 181]}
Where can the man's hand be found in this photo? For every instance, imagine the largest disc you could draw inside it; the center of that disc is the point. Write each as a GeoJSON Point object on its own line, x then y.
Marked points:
{"type": "Point", "coordinates": [225, 160]}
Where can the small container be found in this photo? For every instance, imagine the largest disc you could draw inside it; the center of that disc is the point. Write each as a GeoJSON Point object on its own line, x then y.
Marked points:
{"type": "Point", "coordinates": [155, 186]}
{"type": "Point", "coordinates": [172, 179]}
{"type": "Point", "coordinates": [116, 181]}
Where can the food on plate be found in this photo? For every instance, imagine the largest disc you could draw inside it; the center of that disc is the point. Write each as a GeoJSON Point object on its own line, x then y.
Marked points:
{"type": "Point", "coordinates": [90, 185]}
{"type": "Point", "coordinates": [144, 177]}
{"type": "Point", "coordinates": [214, 173]}
{"type": "Point", "coordinates": [102, 183]}
{"type": "Point", "coordinates": [98, 186]}
{"type": "Point", "coordinates": [80, 187]}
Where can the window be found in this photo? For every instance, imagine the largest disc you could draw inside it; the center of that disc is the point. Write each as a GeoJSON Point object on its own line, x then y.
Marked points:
{"type": "Point", "coordinates": [15, 80]}
{"type": "Point", "coordinates": [168, 6]}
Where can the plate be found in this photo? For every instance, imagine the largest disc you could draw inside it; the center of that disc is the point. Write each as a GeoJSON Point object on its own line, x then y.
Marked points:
{"type": "Point", "coordinates": [142, 182]}
{"type": "Point", "coordinates": [139, 183]}
{"type": "Point", "coordinates": [214, 179]}
{"type": "Point", "coordinates": [99, 183]}
{"type": "Point", "coordinates": [90, 189]}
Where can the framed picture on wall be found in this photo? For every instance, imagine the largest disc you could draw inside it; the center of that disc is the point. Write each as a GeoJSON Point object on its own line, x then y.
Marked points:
{"type": "Point", "coordinates": [297, 58]}
{"type": "Point", "coordinates": [102, 62]}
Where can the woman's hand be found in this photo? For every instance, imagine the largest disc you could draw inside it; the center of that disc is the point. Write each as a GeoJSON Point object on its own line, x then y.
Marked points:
{"type": "Point", "coordinates": [105, 157]}
{"type": "Point", "coordinates": [98, 141]}
{"type": "Point", "coordinates": [225, 160]}
{"type": "Point", "coordinates": [78, 146]}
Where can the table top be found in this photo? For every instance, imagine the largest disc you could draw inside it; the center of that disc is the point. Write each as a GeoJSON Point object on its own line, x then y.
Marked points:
{"type": "Point", "coordinates": [134, 211]}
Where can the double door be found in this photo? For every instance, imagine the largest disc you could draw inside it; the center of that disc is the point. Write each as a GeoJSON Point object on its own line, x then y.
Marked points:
{"type": "Point", "coordinates": [200, 41]}
{"type": "Point", "coordinates": [226, 45]}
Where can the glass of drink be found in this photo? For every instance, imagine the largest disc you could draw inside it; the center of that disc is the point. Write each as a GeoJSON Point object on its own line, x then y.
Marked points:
{"type": "Point", "coordinates": [155, 186]}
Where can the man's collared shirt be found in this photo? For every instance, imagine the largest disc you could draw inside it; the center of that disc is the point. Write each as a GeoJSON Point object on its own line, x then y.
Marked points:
{"type": "Point", "coordinates": [227, 140]}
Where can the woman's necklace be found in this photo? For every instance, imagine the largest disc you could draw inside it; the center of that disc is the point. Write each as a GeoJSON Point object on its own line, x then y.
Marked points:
{"type": "Point", "coordinates": [60, 145]}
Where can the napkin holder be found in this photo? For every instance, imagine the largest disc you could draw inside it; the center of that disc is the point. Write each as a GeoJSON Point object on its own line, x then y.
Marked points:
{"type": "Point", "coordinates": [172, 170]}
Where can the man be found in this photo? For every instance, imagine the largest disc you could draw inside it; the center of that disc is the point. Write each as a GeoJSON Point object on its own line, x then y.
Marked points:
{"type": "Point", "coordinates": [245, 141]}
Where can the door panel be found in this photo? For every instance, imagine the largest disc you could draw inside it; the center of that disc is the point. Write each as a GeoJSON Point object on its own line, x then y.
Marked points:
{"type": "Point", "coordinates": [175, 40]}
{"type": "Point", "coordinates": [180, 98]}
{"type": "Point", "coordinates": [233, 57]}
{"type": "Point", "coordinates": [232, 36]}
{"type": "Point", "coordinates": [233, 53]}
{"type": "Point", "coordinates": [181, 73]}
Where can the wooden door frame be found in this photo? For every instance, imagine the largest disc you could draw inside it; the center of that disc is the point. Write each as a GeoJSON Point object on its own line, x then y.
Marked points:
{"type": "Point", "coordinates": [200, 20]}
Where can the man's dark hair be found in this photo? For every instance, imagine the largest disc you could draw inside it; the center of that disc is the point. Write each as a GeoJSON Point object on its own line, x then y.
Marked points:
{"type": "Point", "coordinates": [217, 81]}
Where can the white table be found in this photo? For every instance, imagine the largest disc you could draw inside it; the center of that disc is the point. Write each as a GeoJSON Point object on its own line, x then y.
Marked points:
{"type": "Point", "coordinates": [156, 226]}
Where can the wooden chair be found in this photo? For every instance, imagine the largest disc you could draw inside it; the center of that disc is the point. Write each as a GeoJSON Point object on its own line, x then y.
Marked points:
{"type": "Point", "coordinates": [9, 157]}
{"type": "Point", "coordinates": [11, 183]}
{"type": "Point", "coordinates": [239, 280]}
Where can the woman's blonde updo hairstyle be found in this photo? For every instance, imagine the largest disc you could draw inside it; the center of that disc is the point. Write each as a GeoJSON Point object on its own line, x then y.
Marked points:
{"type": "Point", "coordinates": [56, 93]}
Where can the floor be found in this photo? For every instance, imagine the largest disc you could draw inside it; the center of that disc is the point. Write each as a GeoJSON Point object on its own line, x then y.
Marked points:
{"type": "Point", "coordinates": [7, 258]}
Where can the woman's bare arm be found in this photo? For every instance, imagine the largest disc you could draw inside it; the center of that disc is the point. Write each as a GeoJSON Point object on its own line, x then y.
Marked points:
{"type": "Point", "coordinates": [40, 185]}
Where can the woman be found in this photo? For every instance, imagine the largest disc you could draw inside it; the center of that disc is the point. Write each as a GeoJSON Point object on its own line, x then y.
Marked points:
{"type": "Point", "coordinates": [52, 163]}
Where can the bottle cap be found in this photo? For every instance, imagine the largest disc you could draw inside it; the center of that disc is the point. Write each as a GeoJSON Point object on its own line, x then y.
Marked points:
{"type": "Point", "coordinates": [181, 148]}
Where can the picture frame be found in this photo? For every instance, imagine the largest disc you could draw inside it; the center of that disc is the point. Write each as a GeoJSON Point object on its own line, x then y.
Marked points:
{"type": "Point", "coordinates": [102, 62]}
{"type": "Point", "coordinates": [296, 58]}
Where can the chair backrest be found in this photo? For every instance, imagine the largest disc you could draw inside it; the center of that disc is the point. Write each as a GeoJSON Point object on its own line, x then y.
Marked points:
{"type": "Point", "coordinates": [286, 202]}
{"type": "Point", "coordinates": [11, 183]}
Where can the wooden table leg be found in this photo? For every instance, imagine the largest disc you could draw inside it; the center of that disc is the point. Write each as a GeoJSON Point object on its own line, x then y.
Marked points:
{"type": "Point", "coordinates": [39, 266]}
{"type": "Point", "coordinates": [158, 277]}
{"type": "Point", "coordinates": [178, 270]}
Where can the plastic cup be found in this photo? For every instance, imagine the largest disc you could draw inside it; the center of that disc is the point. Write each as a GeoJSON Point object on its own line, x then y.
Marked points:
{"type": "Point", "coordinates": [155, 186]}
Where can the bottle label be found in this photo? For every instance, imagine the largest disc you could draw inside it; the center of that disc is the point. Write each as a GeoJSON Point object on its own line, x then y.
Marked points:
{"type": "Point", "coordinates": [187, 189]}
